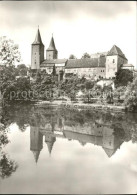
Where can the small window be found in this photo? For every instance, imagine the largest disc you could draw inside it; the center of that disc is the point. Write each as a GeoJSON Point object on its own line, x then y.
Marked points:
{"type": "Point", "coordinates": [113, 61]}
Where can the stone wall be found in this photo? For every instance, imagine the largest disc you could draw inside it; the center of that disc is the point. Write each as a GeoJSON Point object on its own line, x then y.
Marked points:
{"type": "Point", "coordinates": [89, 73]}
{"type": "Point", "coordinates": [51, 55]}
{"type": "Point", "coordinates": [111, 66]}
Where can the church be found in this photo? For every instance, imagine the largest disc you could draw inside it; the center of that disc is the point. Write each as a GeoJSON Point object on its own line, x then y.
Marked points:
{"type": "Point", "coordinates": [99, 65]}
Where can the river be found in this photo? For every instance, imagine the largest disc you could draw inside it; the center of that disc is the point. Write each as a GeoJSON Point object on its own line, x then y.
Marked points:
{"type": "Point", "coordinates": [57, 150]}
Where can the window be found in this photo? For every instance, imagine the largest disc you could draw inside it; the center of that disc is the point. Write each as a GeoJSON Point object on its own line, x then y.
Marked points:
{"type": "Point", "coordinates": [113, 60]}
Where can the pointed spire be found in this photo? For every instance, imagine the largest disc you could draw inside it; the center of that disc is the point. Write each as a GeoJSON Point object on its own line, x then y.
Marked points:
{"type": "Point", "coordinates": [38, 39]}
{"type": "Point", "coordinates": [36, 155]}
{"type": "Point", "coordinates": [50, 143]}
{"type": "Point", "coordinates": [52, 45]}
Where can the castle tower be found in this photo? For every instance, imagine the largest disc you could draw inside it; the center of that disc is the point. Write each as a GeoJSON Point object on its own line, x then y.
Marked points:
{"type": "Point", "coordinates": [51, 52]}
{"type": "Point", "coordinates": [37, 52]}
{"type": "Point", "coordinates": [114, 60]}
{"type": "Point", "coordinates": [111, 141]}
{"type": "Point", "coordinates": [36, 142]}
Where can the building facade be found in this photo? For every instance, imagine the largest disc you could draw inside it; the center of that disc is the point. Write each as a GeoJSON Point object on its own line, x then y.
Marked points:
{"type": "Point", "coordinates": [99, 65]}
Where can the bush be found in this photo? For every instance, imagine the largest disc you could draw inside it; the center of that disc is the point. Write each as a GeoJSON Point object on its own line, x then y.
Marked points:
{"type": "Point", "coordinates": [131, 95]}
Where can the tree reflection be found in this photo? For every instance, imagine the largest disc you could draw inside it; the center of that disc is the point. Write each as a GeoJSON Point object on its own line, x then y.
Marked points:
{"type": "Point", "coordinates": [19, 114]}
{"type": "Point", "coordinates": [3, 136]}
{"type": "Point", "coordinates": [7, 166]}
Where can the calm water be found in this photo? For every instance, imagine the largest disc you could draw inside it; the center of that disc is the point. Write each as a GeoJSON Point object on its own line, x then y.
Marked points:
{"type": "Point", "coordinates": [50, 150]}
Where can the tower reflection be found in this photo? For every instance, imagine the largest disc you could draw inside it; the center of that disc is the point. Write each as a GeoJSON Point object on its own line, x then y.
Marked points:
{"type": "Point", "coordinates": [102, 133]}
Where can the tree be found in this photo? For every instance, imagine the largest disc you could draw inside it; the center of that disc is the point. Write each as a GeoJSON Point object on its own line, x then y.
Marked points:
{"type": "Point", "coordinates": [85, 55]}
{"type": "Point", "coordinates": [54, 70]}
{"type": "Point", "coordinates": [8, 73]}
{"type": "Point", "coordinates": [131, 95]}
{"type": "Point", "coordinates": [9, 52]}
{"type": "Point", "coordinates": [7, 77]}
{"type": "Point", "coordinates": [89, 84]}
{"type": "Point", "coordinates": [22, 69]}
{"type": "Point", "coordinates": [123, 77]}
{"type": "Point", "coordinates": [72, 56]}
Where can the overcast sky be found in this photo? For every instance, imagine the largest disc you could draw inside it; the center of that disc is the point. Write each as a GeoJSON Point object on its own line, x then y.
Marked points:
{"type": "Point", "coordinates": [77, 26]}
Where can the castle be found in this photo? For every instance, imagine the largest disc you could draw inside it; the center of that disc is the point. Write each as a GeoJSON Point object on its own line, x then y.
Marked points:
{"type": "Point", "coordinates": [99, 65]}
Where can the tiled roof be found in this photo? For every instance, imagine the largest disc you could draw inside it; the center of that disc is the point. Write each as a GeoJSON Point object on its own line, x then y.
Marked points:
{"type": "Point", "coordinates": [52, 62]}
{"type": "Point", "coordinates": [52, 45]}
{"type": "Point", "coordinates": [116, 51]}
{"type": "Point", "coordinates": [85, 63]}
{"type": "Point", "coordinates": [38, 38]}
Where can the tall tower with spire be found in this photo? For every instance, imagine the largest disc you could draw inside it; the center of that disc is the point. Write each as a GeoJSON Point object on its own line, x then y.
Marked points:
{"type": "Point", "coordinates": [51, 52]}
{"type": "Point", "coordinates": [37, 52]}
{"type": "Point", "coordinates": [36, 142]}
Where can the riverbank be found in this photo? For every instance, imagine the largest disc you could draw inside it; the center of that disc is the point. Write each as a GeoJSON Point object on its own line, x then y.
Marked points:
{"type": "Point", "coordinates": [73, 105]}
{"type": "Point", "coordinates": [80, 105]}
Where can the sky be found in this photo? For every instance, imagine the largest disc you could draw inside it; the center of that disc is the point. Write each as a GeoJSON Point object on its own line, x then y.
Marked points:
{"type": "Point", "coordinates": [77, 26]}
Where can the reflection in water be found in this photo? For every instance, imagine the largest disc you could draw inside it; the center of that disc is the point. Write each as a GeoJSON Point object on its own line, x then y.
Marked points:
{"type": "Point", "coordinates": [7, 166]}
{"type": "Point", "coordinates": [36, 142]}
{"type": "Point", "coordinates": [53, 127]}
{"type": "Point", "coordinates": [105, 130]}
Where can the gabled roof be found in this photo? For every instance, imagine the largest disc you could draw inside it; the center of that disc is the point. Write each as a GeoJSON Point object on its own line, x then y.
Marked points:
{"type": "Point", "coordinates": [84, 63]}
{"type": "Point", "coordinates": [38, 39]}
{"type": "Point", "coordinates": [52, 62]}
{"type": "Point", "coordinates": [52, 45]}
{"type": "Point", "coordinates": [116, 51]}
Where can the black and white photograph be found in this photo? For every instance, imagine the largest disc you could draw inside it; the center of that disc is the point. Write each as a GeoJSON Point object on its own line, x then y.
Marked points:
{"type": "Point", "coordinates": [68, 97]}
